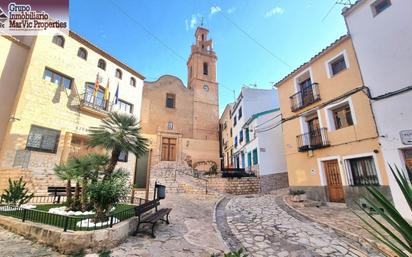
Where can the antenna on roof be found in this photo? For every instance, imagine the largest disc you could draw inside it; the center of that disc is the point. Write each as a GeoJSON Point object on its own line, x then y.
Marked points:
{"type": "Point", "coordinates": [340, 2]}
{"type": "Point", "coordinates": [201, 22]}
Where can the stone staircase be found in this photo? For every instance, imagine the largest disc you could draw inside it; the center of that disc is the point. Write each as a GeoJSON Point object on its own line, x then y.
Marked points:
{"type": "Point", "coordinates": [178, 178]}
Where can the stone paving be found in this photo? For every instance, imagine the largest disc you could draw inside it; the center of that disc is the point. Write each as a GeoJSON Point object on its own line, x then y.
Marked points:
{"type": "Point", "coordinates": [266, 226]}
{"type": "Point", "coordinates": [190, 233]}
{"type": "Point", "coordinates": [12, 245]}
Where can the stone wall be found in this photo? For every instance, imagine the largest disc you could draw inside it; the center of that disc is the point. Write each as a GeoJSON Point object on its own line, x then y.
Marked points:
{"type": "Point", "coordinates": [273, 182]}
{"type": "Point", "coordinates": [237, 186]}
{"type": "Point", "coordinates": [71, 242]}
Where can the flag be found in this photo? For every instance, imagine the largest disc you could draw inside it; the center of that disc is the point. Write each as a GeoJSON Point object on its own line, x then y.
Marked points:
{"type": "Point", "coordinates": [116, 96]}
{"type": "Point", "coordinates": [96, 85]}
{"type": "Point", "coordinates": [107, 92]}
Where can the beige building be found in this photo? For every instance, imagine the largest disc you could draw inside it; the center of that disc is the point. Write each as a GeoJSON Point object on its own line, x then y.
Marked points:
{"type": "Point", "coordinates": [226, 137]}
{"type": "Point", "coordinates": [182, 121]}
{"type": "Point", "coordinates": [48, 106]}
{"type": "Point", "coordinates": [331, 142]}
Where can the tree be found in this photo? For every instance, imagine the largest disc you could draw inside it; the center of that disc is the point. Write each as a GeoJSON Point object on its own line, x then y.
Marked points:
{"type": "Point", "coordinates": [87, 169]}
{"type": "Point", "coordinates": [66, 173]}
{"type": "Point", "coordinates": [119, 132]}
{"type": "Point", "coordinates": [105, 193]}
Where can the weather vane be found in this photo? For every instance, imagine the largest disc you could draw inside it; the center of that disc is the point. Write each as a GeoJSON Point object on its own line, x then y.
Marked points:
{"type": "Point", "coordinates": [201, 23]}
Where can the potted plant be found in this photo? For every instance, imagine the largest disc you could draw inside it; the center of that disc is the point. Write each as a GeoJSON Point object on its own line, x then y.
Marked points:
{"type": "Point", "coordinates": [298, 195]}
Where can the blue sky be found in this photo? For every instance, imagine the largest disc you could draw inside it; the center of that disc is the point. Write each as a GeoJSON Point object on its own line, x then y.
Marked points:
{"type": "Point", "coordinates": [292, 30]}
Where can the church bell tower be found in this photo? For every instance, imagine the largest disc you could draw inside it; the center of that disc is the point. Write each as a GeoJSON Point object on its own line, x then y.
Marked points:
{"type": "Point", "coordinates": [202, 80]}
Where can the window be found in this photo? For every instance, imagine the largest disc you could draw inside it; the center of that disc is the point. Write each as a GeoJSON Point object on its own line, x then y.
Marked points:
{"type": "Point", "coordinates": [235, 141]}
{"type": "Point", "coordinates": [170, 125]}
{"type": "Point", "coordinates": [249, 159]}
{"type": "Point", "coordinates": [132, 81]}
{"type": "Point", "coordinates": [118, 74]}
{"type": "Point", "coordinates": [379, 6]}
{"type": "Point", "coordinates": [205, 69]}
{"type": "Point", "coordinates": [241, 136]}
{"type": "Point", "coordinates": [170, 101]}
{"type": "Point", "coordinates": [125, 106]}
{"type": "Point", "coordinates": [58, 79]}
{"type": "Point", "coordinates": [240, 112]}
{"type": "Point", "coordinates": [234, 121]}
{"type": "Point", "coordinates": [337, 65]}
{"type": "Point", "coordinates": [124, 156]}
{"type": "Point", "coordinates": [58, 40]}
{"type": "Point", "coordinates": [231, 132]}
{"type": "Point", "coordinates": [101, 64]}
{"type": "Point", "coordinates": [363, 172]}
{"type": "Point", "coordinates": [247, 135]}
{"type": "Point", "coordinates": [342, 117]}
{"type": "Point", "coordinates": [82, 53]}
{"type": "Point", "coordinates": [43, 139]}
{"type": "Point", "coordinates": [255, 156]}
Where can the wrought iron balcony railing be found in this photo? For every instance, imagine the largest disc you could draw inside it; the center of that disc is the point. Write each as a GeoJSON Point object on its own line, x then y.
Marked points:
{"type": "Point", "coordinates": [89, 102]}
{"type": "Point", "coordinates": [305, 97]}
{"type": "Point", "coordinates": [314, 139]}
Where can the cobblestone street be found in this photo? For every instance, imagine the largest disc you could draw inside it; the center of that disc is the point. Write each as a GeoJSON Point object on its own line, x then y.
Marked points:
{"type": "Point", "coordinates": [265, 226]}
{"type": "Point", "coordinates": [190, 233]}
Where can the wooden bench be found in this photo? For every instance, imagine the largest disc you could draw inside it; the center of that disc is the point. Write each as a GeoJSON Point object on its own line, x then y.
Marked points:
{"type": "Point", "coordinates": [58, 192]}
{"type": "Point", "coordinates": [153, 218]}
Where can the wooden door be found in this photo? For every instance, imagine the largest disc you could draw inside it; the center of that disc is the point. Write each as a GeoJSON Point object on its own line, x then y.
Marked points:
{"type": "Point", "coordinates": [306, 91]}
{"type": "Point", "coordinates": [168, 149]}
{"type": "Point", "coordinates": [335, 188]}
{"type": "Point", "coordinates": [314, 131]}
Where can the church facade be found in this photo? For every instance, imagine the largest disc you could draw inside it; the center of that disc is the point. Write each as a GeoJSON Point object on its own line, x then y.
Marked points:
{"type": "Point", "coordinates": [181, 122]}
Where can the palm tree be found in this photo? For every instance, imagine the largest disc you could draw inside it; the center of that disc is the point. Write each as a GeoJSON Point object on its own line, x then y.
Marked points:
{"type": "Point", "coordinates": [66, 173]}
{"type": "Point", "coordinates": [87, 169]}
{"type": "Point", "coordinates": [119, 132]}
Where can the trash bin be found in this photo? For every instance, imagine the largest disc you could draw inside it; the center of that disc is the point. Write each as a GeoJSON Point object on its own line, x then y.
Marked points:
{"type": "Point", "coordinates": [161, 191]}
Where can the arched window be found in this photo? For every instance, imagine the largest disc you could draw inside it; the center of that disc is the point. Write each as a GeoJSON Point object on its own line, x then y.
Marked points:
{"type": "Point", "coordinates": [82, 53]}
{"type": "Point", "coordinates": [101, 64]}
{"type": "Point", "coordinates": [205, 68]}
{"type": "Point", "coordinates": [118, 74]}
{"type": "Point", "coordinates": [132, 81]}
{"type": "Point", "coordinates": [58, 40]}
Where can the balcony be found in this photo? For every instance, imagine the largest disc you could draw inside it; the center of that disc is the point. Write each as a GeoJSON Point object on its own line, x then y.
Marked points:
{"type": "Point", "coordinates": [94, 104]}
{"type": "Point", "coordinates": [314, 139]}
{"type": "Point", "coordinates": [305, 97]}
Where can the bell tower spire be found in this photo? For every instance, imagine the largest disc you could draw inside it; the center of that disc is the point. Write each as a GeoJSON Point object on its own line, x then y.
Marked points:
{"type": "Point", "coordinates": [203, 81]}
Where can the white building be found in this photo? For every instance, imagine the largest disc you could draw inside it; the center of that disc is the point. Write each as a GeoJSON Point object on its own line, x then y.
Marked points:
{"type": "Point", "coordinates": [258, 139]}
{"type": "Point", "coordinates": [381, 31]}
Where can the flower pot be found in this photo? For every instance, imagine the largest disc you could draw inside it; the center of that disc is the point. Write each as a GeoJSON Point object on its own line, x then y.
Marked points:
{"type": "Point", "coordinates": [299, 198]}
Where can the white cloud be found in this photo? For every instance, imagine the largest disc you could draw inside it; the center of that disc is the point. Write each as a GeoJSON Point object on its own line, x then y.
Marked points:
{"type": "Point", "coordinates": [214, 10]}
{"type": "Point", "coordinates": [231, 10]}
{"type": "Point", "coordinates": [274, 11]}
{"type": "Point", "coordinates": [192, 23]}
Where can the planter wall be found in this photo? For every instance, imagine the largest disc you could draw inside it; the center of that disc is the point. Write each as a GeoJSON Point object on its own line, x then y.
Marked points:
{"type": "Point", "coordinates": [72, 241]}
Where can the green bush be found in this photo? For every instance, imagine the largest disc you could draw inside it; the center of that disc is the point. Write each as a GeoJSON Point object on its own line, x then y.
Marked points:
{"type": "Point", "coordinates": [296, 192]}
{"type": "Point", "coordinates": [238, 253]}
{"type": "Point", "coordinates": [16, 194]}
{"type": "Point", "coordinates": [107, 192]}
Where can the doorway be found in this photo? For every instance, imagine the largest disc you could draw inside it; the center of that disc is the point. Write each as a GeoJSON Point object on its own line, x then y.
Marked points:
{"type": "Point", "coordinates": [334, 182]}
{"type": "Point", "coordinates": [408, 158]}
{"type": "Point", "coordinates": [168, 149]}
